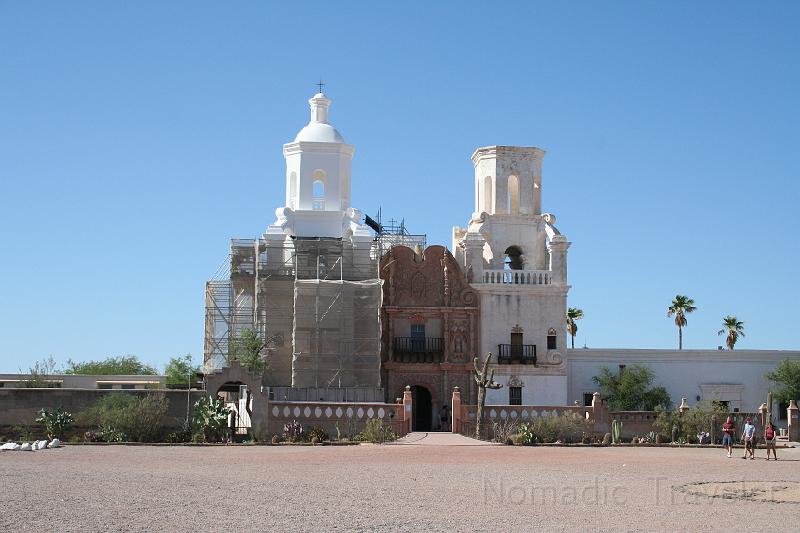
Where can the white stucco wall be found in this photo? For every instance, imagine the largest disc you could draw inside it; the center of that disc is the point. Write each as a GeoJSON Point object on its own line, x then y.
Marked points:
{"type": "Point", "coordinates": [536, 389]}
{"type": "Point", "coordinates": [536, 309]}
{"type": "Point", "coordinates": [736, 376]}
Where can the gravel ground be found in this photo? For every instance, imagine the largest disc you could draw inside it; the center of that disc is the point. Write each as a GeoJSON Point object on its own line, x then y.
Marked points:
{"type": "Point", "coordinates": [442, 486]}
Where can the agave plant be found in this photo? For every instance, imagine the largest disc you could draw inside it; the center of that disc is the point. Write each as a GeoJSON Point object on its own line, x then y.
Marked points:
{"type": "Point", "coordinates": [681, 306]}
{"type": "Point", "coordinates": [734, 328]}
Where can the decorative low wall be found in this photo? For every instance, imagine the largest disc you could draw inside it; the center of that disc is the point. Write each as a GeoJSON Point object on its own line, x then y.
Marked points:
{"type": "Point", "coordinates": [349, 417]}
{"type": "Point", "coordinates": [464, 416]}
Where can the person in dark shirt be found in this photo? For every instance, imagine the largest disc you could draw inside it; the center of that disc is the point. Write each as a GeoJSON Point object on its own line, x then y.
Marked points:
{"type": "Point", "coordinates": [769, 439]}
{"type": "Point", "coordinates": [728, 431]}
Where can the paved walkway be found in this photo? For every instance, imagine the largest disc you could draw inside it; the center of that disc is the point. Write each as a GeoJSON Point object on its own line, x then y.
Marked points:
{"type": "Point", "coordinates": [439, 438]}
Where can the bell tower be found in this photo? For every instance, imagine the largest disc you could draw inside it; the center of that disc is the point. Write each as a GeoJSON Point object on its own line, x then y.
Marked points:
{"type": "Point", "coordinates": [516, 260]}
{"type": "Point", "coordinates": [318, 172]}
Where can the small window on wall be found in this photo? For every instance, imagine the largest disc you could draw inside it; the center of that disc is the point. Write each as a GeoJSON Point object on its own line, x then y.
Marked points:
{"type": "Point", "coordinates": [551, 339]}
{"type": "Point", "coordinates": [587, 399]}
{"type": "Point", "coordinates": [104, 386]}
{"type": "Point", "coordinates": [128, 386]}
{"type": "Point", "coordinates": [515, 396]}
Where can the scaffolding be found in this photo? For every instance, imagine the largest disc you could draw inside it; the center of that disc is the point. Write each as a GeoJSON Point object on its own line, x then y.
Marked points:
{"type": "Point", "coordinates": [394, 233]}
{"type": "Point", "coordinates": [314, 303]}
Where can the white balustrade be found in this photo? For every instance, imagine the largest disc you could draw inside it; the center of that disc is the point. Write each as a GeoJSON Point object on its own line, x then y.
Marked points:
{"type": "Point", "coordinates": [518, 277]}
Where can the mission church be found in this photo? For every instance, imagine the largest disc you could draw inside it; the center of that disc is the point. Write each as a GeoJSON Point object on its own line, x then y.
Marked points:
{"type": "Point", "coordinates": [348, 309]}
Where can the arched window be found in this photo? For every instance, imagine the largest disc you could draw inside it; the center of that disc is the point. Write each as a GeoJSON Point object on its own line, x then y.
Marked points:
{"type": "Point", "coordinates": [513, 258]}
{"type": "Point", "coordinates": [293, 190]}
{"type": "Point", "coordinates": [487, 194]}
{"type": "Point", "coordinates": [345, 200]}
{"type": "Point", "coordinates": [512, 197]}
{"type": "Point", "coordinates": [551, 339]}
{"type": "Point", "coordinates": [318, 191]}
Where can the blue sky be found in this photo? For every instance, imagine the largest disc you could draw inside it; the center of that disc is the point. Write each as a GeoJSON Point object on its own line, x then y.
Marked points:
{"type": "Point", "coordinates": [137, 138]}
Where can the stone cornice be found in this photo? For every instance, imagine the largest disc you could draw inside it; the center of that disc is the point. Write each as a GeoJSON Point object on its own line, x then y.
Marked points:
{"type": "Point", "coordinates": [668, 356]}
{"type": "Point", "coordinates": [393, 309]}
{"type": "Point", "coordinates": [493, 151]}
{"type": "Point", "coordinates": [507, 288]}
{"type": "Point", "coordinates": [318, 147]}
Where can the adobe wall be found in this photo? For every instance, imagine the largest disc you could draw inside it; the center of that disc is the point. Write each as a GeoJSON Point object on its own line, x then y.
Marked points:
{"type": "Point", "coordinates": [21, 406]}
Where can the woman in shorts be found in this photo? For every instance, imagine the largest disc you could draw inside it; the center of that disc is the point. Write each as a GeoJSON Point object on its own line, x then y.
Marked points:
{"type": "Point", "coordinates": [769, 440]}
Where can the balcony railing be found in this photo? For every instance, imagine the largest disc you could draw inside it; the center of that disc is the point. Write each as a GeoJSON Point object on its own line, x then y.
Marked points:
{"type": "Point", "coordinates": [418, 349]}
{"type": "Point", "coordinates": [516, 353]}
{"type": "Point", "coordinates": [518, 277]}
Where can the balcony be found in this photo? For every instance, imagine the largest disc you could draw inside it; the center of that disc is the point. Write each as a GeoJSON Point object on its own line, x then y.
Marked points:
{"type": "Point", "coordinates": [518, 277]}
{"type": "Point", "coordinates": [516, 353]}
{"type": "Point", "coordinates": [418, 349]}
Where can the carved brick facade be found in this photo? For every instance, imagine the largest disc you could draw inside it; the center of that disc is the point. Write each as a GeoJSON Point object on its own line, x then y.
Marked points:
{"type": "Point", "coordinates": [430, 324]}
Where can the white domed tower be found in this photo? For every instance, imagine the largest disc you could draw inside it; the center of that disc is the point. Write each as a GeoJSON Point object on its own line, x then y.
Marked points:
{"type": "Point", "coordinates": [318, 172]}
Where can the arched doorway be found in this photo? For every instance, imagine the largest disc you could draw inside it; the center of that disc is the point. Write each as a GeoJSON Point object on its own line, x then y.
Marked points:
{"type": "Point", "coordinates": [421, 416]}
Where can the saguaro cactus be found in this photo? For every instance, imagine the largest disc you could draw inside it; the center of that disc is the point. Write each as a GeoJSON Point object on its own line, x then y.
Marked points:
{"type": "Point", "coordinates": [483, 384]}
{"type": "Point", "coordinates": [616, 431]}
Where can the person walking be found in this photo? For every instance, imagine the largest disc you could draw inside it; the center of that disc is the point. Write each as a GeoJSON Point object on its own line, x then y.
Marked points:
{"type": "Point", "coordinates": [728, 431]}
{"type": "Point", "coordinates": [748, 436]}
{"type": "Point", "coordinates": [444, 418]}
{"type": "Point", "coordinates": [769, 440]}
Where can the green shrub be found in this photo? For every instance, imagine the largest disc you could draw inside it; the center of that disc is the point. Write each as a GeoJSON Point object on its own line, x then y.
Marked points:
{"type": "Point", "coordinates": [318, 433]}
{"type": "Point", "coordinates": [704, 416]}
{"type": "Point", "coordinates": [377, 432]}
{"type": "Point", "coordinates": [182, 435]}
{"type": "Point", "coordinates": [56, 422]}
{"type": "Point", "coordinates": [547, 429]}
{"type": "Point", "coordinates": [24, 432]}
{"type": "Point", "coordinates": [127, 417]}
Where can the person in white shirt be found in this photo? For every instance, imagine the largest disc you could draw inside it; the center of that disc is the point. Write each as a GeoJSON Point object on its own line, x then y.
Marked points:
{"type": "Point", "coordinates": [748, 435]}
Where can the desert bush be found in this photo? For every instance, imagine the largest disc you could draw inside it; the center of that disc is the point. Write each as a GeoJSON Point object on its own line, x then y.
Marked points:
{"type": "Point", "coordinates": [127, 417]}
{"type": "Point", "coordinates": [504, 429]}
{"type": "Point", "coordinates": [276, 439]}
{"type": "Point", "coordinates": [293, 431]}
{"type": "Point", "coordinates": [182, 435]}
{"type": "Point", "coordinates": [377, 432]}
{"type": "Point", "coordinates": [703, 417]}
{"type": "Point", "coordinates": [320, 434]}
{"type": "Point", "coordinates": [547, 429]}
{"type": "Point", "coordinates": [56, 422]}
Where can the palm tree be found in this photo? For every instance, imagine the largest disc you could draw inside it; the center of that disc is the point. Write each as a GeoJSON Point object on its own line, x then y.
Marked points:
{"type": "Point", "coordinates": [734, 328]}
{"type": "Point", "coordinates": [573, 314]}
{"type": "Point", "coordinates": [681, 306]}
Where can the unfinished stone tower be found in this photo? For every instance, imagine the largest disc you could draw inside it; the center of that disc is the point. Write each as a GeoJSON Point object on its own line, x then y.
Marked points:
{"type": "Point", "coordinates": [309, 286]}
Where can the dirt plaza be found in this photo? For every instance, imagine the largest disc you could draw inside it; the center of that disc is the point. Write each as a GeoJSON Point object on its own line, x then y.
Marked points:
{"type": "Point", "coordinates": [428, 482]}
